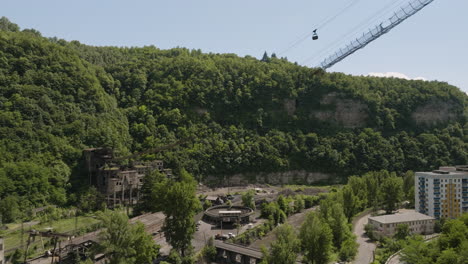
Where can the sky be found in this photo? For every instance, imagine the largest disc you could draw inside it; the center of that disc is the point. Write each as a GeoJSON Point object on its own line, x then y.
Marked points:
{"type": "Point", "coordinates": [432, 45]}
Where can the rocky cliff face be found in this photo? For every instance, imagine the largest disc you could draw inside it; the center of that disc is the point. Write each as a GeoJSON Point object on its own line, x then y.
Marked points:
{"type": "Point", "coordinates": [348, 113]}
{"type": "Point", "coordinates": [435, 112]}
{"type": "Point", "coordinates": [277, 178]}
{"type": "Point", "coordinates": [290, 106]}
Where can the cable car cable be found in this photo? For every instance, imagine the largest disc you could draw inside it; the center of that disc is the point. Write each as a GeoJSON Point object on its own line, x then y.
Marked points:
{"type": "Point", "coordinates": [321, 25]}
{"type": "Point", "coordinates": [364, 24]}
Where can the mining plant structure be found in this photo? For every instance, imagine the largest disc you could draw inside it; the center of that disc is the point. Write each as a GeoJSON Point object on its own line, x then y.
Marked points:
{"type": "Point", "coordinates": [121, 184]}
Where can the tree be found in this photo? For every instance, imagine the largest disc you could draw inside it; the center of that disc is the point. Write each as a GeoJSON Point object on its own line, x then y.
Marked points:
{"type": "Point", "coordinates": [369, 230]}
{"type": "Point", "coordinates": [348, 249]}
{"type": "Point", "coordinates": [416, 252]}
{"type": "Point", "coordinates": [125, 243]}
{"type": "Point", "coordinates": [207, 204]}
{"type": "Point", "coordinates": [372, 189]}
{"type": "Point", "coordinates": [448, 256]}
{"type": "Point", "coordinates": [209, 251]}
{"type": "Point", "coordinates": [285, 248]}
{"type": "Point", "coordinates": [338, 224]}
{"type": "Point", "coordinates": [454, 233]}
{"type": "Point", "coordinates": [265, 57]}
{"type": "Point", "coordinates": [153, 193]}
{"type": "Point", "coordinates": [248, 199]}
{"type": "Point", "coordinates": [391, 192]}
{"type": "Point", "coordinates": [91, 200]}
{"type": "Point", "coordinates": [349, 202]}
{"type": "Point", "coordinates": [9, 209]}
{"type": "Point", "coordinates": [180, 206]}
{"type": "Point", "coordinates": [402, 231]}
{"type": "Point", "coordinates": [316, 239]}
{"type": "Point", "coordinates": [299, 203]}
{"type": "Point", "coordinates": [6, 25]}
{"type": "Point", "coordinates": [283, 204]}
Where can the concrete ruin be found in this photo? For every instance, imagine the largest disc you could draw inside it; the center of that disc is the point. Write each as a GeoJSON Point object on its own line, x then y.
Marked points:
{"type": "Point", "coordinates": [120, 185]}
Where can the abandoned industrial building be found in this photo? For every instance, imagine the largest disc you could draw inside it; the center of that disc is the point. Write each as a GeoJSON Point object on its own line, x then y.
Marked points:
{"type": "Point", "coordinates": [119, 184]}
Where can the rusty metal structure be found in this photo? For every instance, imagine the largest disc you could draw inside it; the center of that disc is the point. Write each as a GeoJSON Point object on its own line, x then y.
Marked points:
{"type": "Point", "coordinates": [119, 184]}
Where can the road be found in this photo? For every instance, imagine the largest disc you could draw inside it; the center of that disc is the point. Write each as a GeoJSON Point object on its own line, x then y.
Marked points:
{"type": "Point", "coordinates": [395, 258]}
{"type": "Point", "coordinates": [366, 247]}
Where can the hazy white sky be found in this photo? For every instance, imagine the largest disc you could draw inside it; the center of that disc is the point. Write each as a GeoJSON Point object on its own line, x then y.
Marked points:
{"type": "Point", "coordinates": [431, 45]}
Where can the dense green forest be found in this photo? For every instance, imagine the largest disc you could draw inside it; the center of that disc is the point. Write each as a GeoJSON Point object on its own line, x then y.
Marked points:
{"type": "Point", "coordinates": [243, 115]}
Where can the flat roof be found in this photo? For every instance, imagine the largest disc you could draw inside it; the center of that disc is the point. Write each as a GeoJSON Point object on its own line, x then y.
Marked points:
{"type": "Point", "coordinates": [449, 174]}
{"type": "Point", "coordinates": [230, 212]}
{"type": "Point", "coordinates": [401, 217]}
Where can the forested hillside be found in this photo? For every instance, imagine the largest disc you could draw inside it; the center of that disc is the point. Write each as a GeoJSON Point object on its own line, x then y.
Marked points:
{"type": "Point", "coordinates": [244, 115]}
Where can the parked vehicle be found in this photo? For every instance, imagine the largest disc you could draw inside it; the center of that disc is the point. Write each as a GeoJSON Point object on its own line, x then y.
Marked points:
{"type": "Point", "coordinates": [221, 236]}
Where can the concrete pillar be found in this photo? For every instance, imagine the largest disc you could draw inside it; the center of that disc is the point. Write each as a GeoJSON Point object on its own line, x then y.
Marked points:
{"type": "Point", "coordinates": [231, 256]}
{"type": "Point", "coordinates": [130, 199]}
{"type": "Point", "coordinates": [219, 253]}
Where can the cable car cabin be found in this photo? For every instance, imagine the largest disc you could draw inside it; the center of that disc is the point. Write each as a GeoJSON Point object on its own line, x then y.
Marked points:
{"type": "Point", "coordinates": [315, 36]}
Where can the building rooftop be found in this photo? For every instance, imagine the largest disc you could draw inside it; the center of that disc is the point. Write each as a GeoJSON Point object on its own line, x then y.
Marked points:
{"type": "Point", "coordinates": [447, 174]}
{"type": "Point", "coordinates": [211, 198]}
{"type": "Point", "coordinates": [401, 217]}
{"type": "Point", "coordinates": [459, 170]}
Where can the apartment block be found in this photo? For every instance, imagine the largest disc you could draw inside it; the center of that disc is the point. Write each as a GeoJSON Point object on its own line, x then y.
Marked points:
{"type": "Point", "coordinates": [442, 193]}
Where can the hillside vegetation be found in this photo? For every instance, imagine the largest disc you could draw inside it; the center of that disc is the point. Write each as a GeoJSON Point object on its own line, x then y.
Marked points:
{"type": "Point", "coordinates": [243, 115]}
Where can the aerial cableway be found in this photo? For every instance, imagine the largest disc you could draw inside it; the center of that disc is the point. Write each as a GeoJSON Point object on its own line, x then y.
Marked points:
{"type": "Point", "coordinates": [399, 16]}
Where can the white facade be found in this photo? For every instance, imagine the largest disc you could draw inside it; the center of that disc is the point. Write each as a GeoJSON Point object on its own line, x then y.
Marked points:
{"type": "Point", "coordinates": [442, 193]}
{"type": "Point", "coordinates": [386, 225]}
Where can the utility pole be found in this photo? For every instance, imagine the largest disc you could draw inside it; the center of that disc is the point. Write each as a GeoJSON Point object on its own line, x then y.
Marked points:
{"type": "Point", "coordinates": [22, 233]}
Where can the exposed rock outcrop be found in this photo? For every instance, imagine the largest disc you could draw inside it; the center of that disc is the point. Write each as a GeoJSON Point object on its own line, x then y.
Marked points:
{"type": "Point", "coordinates": [274, 178]}
{"type": "Point", "coordinates": [348, 112]}
{"type": "Point", "coordinates": [435, 112]}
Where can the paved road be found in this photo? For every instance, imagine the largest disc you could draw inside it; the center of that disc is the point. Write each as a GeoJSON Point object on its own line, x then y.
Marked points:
{"type": "Point", "coordinates": [366, 247]}
{"type": "Point", "coordinates": [395, 259]}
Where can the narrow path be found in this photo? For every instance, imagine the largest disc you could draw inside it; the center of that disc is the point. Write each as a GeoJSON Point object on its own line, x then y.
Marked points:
{"type": "Point", "coordinates": [366, 247]}
{"type": "Point", "coordinates": [395, 258]}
